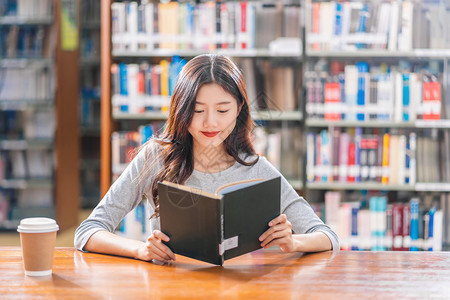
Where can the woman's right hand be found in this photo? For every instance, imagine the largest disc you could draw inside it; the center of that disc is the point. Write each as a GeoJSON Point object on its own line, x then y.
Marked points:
{"type": "Point", "coordinates": [154, 248]}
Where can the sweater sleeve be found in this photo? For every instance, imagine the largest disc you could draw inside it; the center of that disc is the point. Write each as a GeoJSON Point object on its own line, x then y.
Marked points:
{"type": "Point", "coordinates": [297, 209]}
{"type": "Point", "coordinates": [123, 196]}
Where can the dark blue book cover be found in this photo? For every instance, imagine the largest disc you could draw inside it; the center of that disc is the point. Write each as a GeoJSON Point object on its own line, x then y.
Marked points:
{"type": "Point", "coordinates": [363, 70]}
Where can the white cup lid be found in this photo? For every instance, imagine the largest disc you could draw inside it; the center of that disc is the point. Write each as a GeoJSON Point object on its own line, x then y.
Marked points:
{"type": "Point", "coordinates": [37, 225]}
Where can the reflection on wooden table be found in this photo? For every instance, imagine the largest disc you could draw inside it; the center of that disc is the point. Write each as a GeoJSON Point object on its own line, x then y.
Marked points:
{"type": "Point", "coordinates": [268, 274]}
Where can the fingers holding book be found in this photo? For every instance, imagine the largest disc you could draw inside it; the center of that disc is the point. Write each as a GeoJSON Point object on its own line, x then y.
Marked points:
{"type": "Point", "coordinates": [279, 233]}
{"type": "Point", "coordinates": [155, 249]}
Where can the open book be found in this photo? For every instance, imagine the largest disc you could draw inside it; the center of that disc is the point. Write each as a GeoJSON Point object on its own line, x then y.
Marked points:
{"type": "Point", "coordinates": [216, 227]}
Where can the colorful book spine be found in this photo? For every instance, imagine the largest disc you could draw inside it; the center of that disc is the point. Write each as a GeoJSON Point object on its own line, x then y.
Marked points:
{"type": "Point", "coordinates": [431, 100]}
{"type": "Point", "coordinates": [325, 155]}
{"type": "Point", "coordinates": [397, 227]}
{"type": "Point", "coordinates": [341, 81]}
{"type": "Point", "coordinates": [381, 209]}
{"type": "Point", "coordinates": [318, 162]}
{"type": "Point", "coordinates": [243, 23]}
{"type": "Point", "coordinates": [389, 236]}
{"type": "Point", "coordinates": [351, 90]}
{"type": "Point", "coordinates": [412, 152]}
{"type": "Point", "coordinates": [224, 24]}
{"type": "Point", "coordinates": [354, 230]}
{"type": "Point", "coordinates": [385, 164]}
{"type": "Point", "coordinates": [164, 77]}
{"type": "Point", "coordinates": [385, 97]}
{"type": "Point", "coordinates": [372, 157]}
{"type": "Point", "coordinates": [363, 13]}
{"type": "Point", "coordinates": [310, 157]}
{"type": "Point", "coordinates": [332, 203]}
{"type": "Point", "coordinates": [438, 230]}
{"type": "Point", "coordinates": [344, 144]}
{"type": "Point", "coordinates": [377, 207]}
{"type": "Point", "coordinates": [351, 163]}
{"type": "Point", "coordinates": [335, 144]}
{"type": "Point", "coordinates": [406, 98]}
{"type": "Point", "coordinates": [358, 136]}
{"type": "Point", "coordinates": [414, 225]}
{"type": "Point", "coordinates": [373, 223]}
{"type": "Point", "coordinates": [401, 161]}
{"type": "Point", "coordinates": [363, 84]}
{"type": "Point", "coordinates": [406, 228]}
{"type": "Point", "coordinates": [315, 25]}
{"type": "Point", "coordinates": [123, 79]}
{"type": "Point", "coordinates": [332, 97]}
{"type": "Point", "coordinates": [338, 19]}
{"type": "Point", "coordinates": [431, 229]}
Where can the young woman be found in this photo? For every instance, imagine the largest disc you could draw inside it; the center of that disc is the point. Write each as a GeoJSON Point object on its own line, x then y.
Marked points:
{"type": "Point", "coordinates": [206, 144]}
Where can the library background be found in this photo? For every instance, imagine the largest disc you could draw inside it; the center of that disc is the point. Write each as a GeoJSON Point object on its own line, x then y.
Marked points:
{"type": "Point", "coordinates": [351, 101]}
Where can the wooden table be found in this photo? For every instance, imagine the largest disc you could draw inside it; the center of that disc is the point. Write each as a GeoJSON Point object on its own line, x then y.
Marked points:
{"type": "Point", "coordinates": [268, 274]}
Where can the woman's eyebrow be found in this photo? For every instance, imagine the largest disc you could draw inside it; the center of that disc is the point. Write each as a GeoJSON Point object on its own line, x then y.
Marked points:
{"type": "Point", "coordinates": [220, 103]}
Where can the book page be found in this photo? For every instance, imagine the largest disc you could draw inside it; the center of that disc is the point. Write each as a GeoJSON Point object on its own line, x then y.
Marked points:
{"type": "Point", "coordinates": [190, 189]}
{"type": "Point", "coordinates": [236, 185]}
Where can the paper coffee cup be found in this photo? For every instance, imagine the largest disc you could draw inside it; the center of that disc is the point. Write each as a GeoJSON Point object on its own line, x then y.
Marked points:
{"type": "Point", "coordinates": [37, 237]}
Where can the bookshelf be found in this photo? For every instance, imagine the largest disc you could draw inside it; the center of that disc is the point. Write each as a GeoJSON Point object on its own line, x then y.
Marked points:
{"type": "Point", "coordinates": [38, 160]}
{"type": "Point", "coordinates": [89, 103]}
{"type": "Point", "coordinates": [125, 47]}
{"type": "Point", "coordinates": [370, 69]}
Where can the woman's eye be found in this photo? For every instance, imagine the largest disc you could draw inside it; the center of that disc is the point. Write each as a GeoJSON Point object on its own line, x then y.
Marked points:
{"type": "Point", "coordinates": [198, 111]}
{"type": "Point", "coordinates": [223, 111]}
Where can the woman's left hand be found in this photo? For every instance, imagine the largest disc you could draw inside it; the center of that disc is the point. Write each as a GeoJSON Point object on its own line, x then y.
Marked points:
{"type": "Point", "coordinates": [279, 233]}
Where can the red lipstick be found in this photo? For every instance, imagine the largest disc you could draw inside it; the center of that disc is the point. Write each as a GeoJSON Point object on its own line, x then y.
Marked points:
{"type": "Point", "coordinates": [210, 133]}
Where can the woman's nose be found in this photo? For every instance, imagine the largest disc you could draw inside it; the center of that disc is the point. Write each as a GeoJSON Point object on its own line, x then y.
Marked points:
{"type": "Point", "coordinates": [210, 120]}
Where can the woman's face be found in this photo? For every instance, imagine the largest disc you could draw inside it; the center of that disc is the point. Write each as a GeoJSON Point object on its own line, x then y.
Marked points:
{"type": "Point", "coordinates": [215, 115]}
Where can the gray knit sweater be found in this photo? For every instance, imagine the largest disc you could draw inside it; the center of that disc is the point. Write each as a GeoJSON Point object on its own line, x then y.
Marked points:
{"type": "Point", "coordinates": [126, 193]}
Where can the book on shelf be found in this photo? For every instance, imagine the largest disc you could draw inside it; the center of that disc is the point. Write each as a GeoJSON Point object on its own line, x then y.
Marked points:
{"type": "Point", "coordinates": [39, 124]}
{"type": "Point", "coordinates": [26, 164]}
{"type": "Point", "coordinates": [332, 95]}
{"type": "Point", "coordinates": [281, 147]}
{"type": "Point", "coordinates": [136, 224]}
{"type": "Point", "coordinates": [144, 87]}
{"type": "Point", "coordinates": [26, 8]}
{"type": "Point", "coordinates": [216, 227]}
{"type": "Point", "coordinates": [375, 92]}
{"type": "Point", "coordinates": [378, 206]}
{"type": "Point", "coordinates": [332, 203]}
{"type": "Point", "coordinates": [370, 222]}
{"type": "Point", "coordinates": [383, 156]}
{"type": "Point", "coordinates": [271, 85]}
{"type": "Point", "coordinates": [33, 83]}
{"type": "Point", "coordinates": [34, 198]}
{"type": "Point", "coordinates": [279, 87]}
{"type": "Point", "coordinates": [89, 12]}
{"type": "Point", "coordinates": [203, 26]}
{"type": "Point", "coordinates": [125, 143]}
{"type": "Point", "coordinates": [90, 44]}
{"type": "Point", "coordinates": [253, 79]}
{"type": "Point", "coordinates": [27, 41]}
{"type": "Point", "coordinates": [392, 26]}
{"type": "Point", "coordinates": [147, 87]}
{"type": "Point", "coordinates": [445, 207]}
